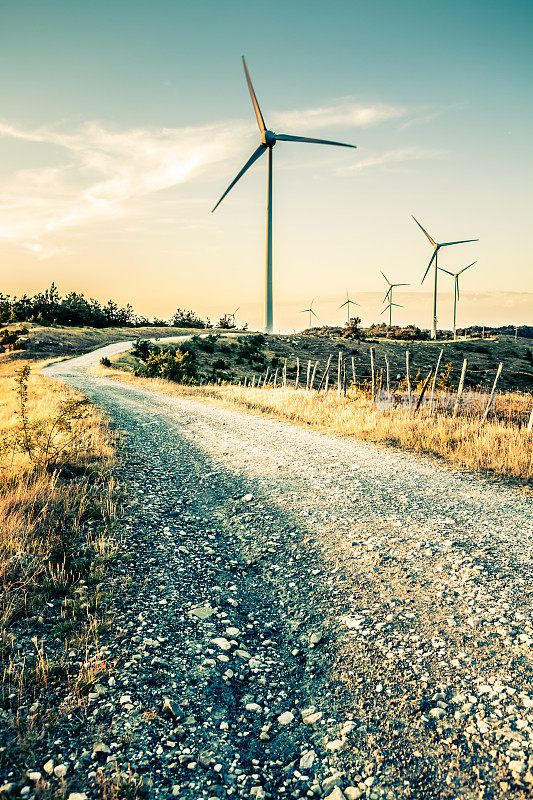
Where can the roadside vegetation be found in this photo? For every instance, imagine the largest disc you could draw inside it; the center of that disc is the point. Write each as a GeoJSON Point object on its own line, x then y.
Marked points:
{"type": "Point", "coordinates": [501, 445]}
{"type": "Point", "coordinates": [58, 504]}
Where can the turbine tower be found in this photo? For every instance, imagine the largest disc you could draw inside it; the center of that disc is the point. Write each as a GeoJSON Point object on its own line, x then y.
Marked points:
{"type": "Point", "coordinates": [455, 276]}
{"type": "Point", "coordinates": [436, 246]}
{"type": "Point", "coordinates": [389, 296]}
{"type": "Point", "coordinates": [268, 140]}
{"type": "Point", "coordinates": [311, 312]}
{"type": "Point", "coordinates": [347, 302]}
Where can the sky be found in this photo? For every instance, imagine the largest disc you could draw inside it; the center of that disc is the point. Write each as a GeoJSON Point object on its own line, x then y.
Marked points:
{"type": "Point", "coordinates": [122, 123]}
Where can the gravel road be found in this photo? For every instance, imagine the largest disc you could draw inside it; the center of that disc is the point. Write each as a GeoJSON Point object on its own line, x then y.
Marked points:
{"type": "Point", "coordinates": [304, 615]}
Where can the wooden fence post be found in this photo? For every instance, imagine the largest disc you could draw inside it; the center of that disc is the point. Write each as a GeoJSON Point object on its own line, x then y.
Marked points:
{"type": "Point", "coordinates": [491, 398]}
{"type": "Point", "coordinates": [460, 387]}
{"type": "Point", "coordinates": [276, 377]}
{"type": "Point", "coordinates": [344, 376]}
{"type": "Point", "coordinates": [266, 378]}
{"type": "Point", "coordinates": [314, 373]}
{"type": "Point", "coordinates": [324, 381]}
{"type": "Point", "coordinates": [408, 377]}
{"type": "Point", "coordinates": [353, 370]}
{"type": "Point", "coordinates": [424, 387]}
{"type": "Point", "coordinates": [297, 381]}
{"type": "Point", "coordinates": [339, 373]}
{"type": "Point", "coordinates": [285, 373]}
{"type": "Point", "coordinates": [530, 423]}
{"type": "Point", "coordinates": [388, 376]}
{"type": "Point", "coordinates": [308, 375]}
{"type": "Point", "coordinates": [373, 373]}
{"type": "Point", "coordinates": [434, 382]}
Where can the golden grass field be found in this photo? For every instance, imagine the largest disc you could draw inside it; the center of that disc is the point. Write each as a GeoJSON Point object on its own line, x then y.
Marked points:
{"type": "Point", "coordinates": [57, 508]}
{"type": "Point", "coordinates": [499, 446]}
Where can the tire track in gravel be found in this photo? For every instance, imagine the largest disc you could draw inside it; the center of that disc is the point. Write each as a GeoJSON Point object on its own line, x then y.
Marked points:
{"type": "Point", "coordinates": [389, 593]}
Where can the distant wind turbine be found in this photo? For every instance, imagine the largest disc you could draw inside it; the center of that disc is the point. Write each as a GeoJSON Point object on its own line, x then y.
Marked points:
{"type": "Point", "coordinates": [437, 246]}
{"type": "Point", "coordinates": [268, 140]}
{"type": "Point", "coordinates": [233, 315]}
{"type": "Point", "coordinates": [311, 312]}
{"type": "Point", "coordinates": [389, 309]}
{"type": "Point", "coordinates": [347, 302]}
{"type": "Point", "coordinates": [455, 276]}
{"type": "Point", "coordinates": [388, 296]}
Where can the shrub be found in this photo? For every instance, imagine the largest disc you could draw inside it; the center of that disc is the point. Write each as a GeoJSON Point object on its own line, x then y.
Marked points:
{"type": "Point", "coordinates": [173, 364]}
{"type": "Point", "coordinates": [105, 362]}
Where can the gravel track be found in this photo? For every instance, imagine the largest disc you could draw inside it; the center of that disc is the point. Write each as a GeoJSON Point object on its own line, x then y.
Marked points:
{"type": "Point", "coordinates": [305, 615]}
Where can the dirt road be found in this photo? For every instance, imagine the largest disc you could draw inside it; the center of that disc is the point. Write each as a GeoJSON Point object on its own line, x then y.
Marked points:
{"type": "Point", "coordinates": [305, 615]}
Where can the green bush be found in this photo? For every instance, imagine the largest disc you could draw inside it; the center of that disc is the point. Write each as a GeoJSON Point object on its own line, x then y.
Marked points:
{"type": "Point", "coordinates": [172, 364]}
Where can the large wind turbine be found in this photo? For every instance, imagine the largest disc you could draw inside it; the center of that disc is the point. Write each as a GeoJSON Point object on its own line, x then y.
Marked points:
{"type": "Point", "coordinates": [389, 296]}
{"type": "Point", "coordinates": [347, 302]}
{"type": "Point", "coordinates": [455, 276]}
{"type": "Point", "coordinates": [311, 312]}
{"type": "Point", "coordinates": [268, 140]}
{"type": "Point", "coordinates": [436, 246]}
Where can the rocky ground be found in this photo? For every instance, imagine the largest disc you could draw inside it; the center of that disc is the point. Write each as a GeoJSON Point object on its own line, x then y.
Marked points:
{"type": "Point", "coordinates": [298, 615]}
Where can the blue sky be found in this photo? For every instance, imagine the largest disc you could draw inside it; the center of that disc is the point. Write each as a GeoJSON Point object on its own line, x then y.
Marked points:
{"type": "Point", "coordinates": [122, 123]}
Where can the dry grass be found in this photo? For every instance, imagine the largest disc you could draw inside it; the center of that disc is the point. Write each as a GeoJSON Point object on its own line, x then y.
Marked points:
{"type": "Point", "coordinates": [57, 508]}
{"type": "Point", "coordinates": [499, 446]}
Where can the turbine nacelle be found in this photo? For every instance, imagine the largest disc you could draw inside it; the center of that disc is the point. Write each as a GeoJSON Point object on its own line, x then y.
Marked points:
{"type": "Point", "coordinates": [268, 138]}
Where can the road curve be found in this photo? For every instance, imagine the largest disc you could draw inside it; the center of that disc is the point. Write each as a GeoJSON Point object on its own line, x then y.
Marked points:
{"type": "Point", "coordinates": [390, 593]}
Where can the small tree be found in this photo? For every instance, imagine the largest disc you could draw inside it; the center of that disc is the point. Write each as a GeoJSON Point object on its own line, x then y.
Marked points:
{"type": "Point", "coordinates": [352, 328]}
{"type": "Point", "coordinates": [226, 322]}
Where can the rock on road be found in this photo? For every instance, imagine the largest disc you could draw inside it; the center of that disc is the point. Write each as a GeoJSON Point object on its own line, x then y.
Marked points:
{"type": "Point", "coordinates": [306, 615]}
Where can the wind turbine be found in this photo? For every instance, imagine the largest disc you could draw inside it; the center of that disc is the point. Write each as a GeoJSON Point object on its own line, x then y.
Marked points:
{"type": "Point", "coordinates": [390, 305]}
{"type": "Point", "coordinates": [268, 140]}
{"type": "Point", "coordinates": [437, 246]}
{"type": "Point", "coordinates": [347, 303]}
{"type": "Point", "coordinates": [311, 312]}
{"type": "Point", "coordinates": [233, 315]}
{"type": "Point", "coordinates": [389, 295]}
{"type": "Point", "coordinates": [455, 276]}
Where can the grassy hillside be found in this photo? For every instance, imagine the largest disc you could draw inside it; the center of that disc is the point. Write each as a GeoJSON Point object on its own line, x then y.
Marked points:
{"type": "Point", "coordinates": [38, 342]}
{"type": "Point", "coordinates": [232, 357]}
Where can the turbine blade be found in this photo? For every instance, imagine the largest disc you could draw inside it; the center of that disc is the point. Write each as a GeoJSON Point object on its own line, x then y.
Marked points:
{"type": "Point", "coordinates": [463, 241]}
{"type": "Point", "coordinates": [387, 295]}
{"type": "Point", "coordinates": [397, 304]}
{"type": "Point", "coordinates": [285, 137]}
{"type": "Point", "coordinates": [433, 242]}
{"type": "Point", "coordinates": [313, 313]}
{"type": "Point", "coordinates": [260, 120]}
{"type": "Point", "coordinates": [401, 284]}
{"type": "Point", "coordinates": [468, 267]}
{"type": "Point", "coordinates": [345, 303]}
{"type": "Point", "coordinates": [260, 150]}
{"type": "Point", "coordinates": [448, 271]}
{"type": "Point", "coordinates": [388, 281]}
{"type": "Point", "coordinates": [429, 265]}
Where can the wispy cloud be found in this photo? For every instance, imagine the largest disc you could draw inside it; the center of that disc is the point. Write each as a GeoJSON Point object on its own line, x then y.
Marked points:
{"type": "Point", "coordinates": [104, 174]}
{"type": "Point", "coordinates": [397, 156]}
{"type": "Point", "coordinates": [345, 113]}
